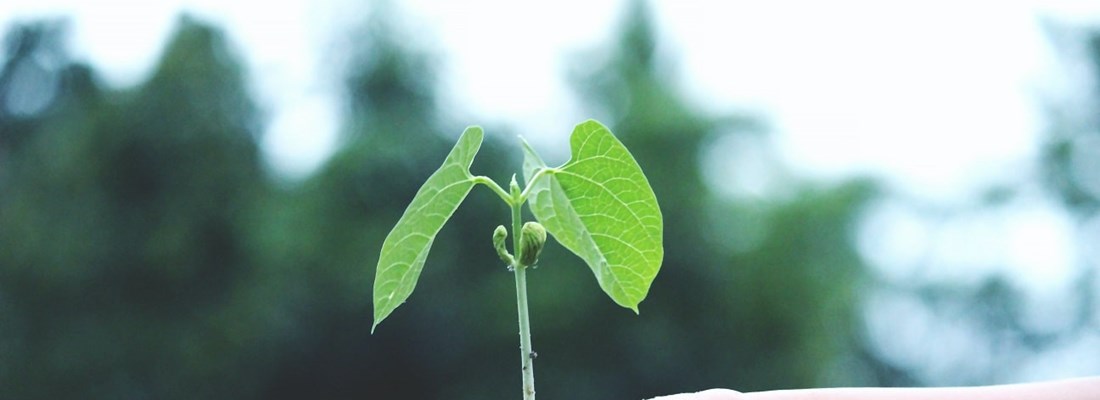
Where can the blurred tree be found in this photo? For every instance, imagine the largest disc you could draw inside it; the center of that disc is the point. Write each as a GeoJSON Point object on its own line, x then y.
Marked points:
{"type": "Point", "coordinates": [755, 319]}
{"type": "Point", "coordinates": [1071, 165]}
{"type": "Point", "coordinates": [39, 84]}
{"type": "Point", "coordinates": [1071, 150]}
{"type": "Point", "coordinates": [145, 255]}
{"type": "Point", "coordinates": [776, 314]}
{"type": "Point", "coordinates": [125, 267]}
{"type": "Point", "coordinates": [1008, 328]}
{"type": "Point", "coordinates": [332, 227]}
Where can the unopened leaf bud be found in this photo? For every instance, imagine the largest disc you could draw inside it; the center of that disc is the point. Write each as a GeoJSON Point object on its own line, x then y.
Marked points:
{"type": "Point", "coordinates": [500, 236]}
{"type": "Point", "coordinates": [532, 238]}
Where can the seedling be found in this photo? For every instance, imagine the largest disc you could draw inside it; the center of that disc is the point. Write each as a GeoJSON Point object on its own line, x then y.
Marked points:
{"type": "Point", "coordinates": [598, 205]}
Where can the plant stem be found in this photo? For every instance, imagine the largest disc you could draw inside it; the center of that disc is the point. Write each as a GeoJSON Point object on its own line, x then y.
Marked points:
{"type": "Point", "coordinates": [531, 183]}
{"type": "Point", "coordinates": [484, 180]}
{"type": "Point", "coordinates": [526, 354]}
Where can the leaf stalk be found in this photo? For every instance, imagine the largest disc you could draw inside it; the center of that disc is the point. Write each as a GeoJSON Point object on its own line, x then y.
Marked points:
{"type": "Point", "coordinates": [531, 183]}
{"type": "Point", "coordinates": [484, 180]}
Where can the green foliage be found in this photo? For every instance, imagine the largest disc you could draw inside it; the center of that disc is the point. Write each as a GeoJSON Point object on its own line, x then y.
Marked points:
{"type": "Point", "coordinates": [406, 247]}
{"type": "Point", "coordinates": [599, 206]}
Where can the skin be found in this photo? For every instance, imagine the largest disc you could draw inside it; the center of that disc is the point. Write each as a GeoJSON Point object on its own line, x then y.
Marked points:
{"type": "Point", "coordinates": [1070, 389]}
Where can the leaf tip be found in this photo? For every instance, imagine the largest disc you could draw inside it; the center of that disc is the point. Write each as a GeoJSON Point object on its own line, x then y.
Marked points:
{"type": "Point", "coordinates": [591, 121]}
{"type": "Point", "coordinates": [475, 131]}
{"type": "Point", "coordinates": [523, 142]}
{"type": "Point", "coordinates": [375, 324]}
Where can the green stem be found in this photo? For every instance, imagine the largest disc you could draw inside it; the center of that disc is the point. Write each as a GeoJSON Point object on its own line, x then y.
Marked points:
{"type": "Point", "coordinates": [527, 355]}
{"type": "Point", "coordinates": [484, 180]}
{"type": "Point", "coordinates": [531, 183]}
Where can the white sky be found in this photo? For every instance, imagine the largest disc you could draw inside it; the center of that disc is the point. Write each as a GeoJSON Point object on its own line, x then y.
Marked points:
{"type": "Point", "coordinates": [939, 95]}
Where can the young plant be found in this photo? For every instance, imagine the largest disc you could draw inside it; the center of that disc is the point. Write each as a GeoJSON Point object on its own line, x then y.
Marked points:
{"type": "Point", "coordinates": [598, 205]}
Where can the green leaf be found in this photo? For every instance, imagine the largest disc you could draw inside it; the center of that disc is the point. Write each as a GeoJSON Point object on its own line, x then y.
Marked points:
{"type": "Point", "coordinates": [406, 247]}
{"type": "Point", "coordinates": [599, 205]}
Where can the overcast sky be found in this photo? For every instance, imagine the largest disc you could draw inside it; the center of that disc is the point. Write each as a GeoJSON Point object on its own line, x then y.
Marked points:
{"type": "Point", "coordinates": [912, 82]}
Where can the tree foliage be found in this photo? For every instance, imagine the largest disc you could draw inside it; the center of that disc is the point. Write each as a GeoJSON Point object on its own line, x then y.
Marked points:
{"type": "Point", "coordinates": [144, 252]}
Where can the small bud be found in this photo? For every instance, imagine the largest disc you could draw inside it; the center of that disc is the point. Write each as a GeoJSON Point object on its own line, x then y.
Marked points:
{"type": "Point", "coordinates": [532, 238]}
{"type": "Point", "coordinates": [513, 186]}
{"type": "Point", "coordinates": [500, 236]}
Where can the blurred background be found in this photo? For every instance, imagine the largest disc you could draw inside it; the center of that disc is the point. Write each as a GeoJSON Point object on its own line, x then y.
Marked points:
{"type": "Point", "coordinates": [193, 195]}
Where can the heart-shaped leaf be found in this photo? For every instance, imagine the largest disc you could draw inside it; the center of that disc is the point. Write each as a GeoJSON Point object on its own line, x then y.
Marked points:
{"type": "Point", "coordinates": [406, 247]}
{"type": "Point", "coordinates": [599, 205]}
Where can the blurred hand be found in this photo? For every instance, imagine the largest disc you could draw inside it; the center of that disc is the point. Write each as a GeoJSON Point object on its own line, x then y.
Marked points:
{"type": "Point", "coordinates": [713, 394]}
{"type": "Point", "coordinates": [1067, 389]}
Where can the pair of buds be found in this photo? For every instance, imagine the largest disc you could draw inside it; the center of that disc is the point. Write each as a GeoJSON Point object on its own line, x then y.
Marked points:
{"type": "Point", "coordinates": [531, 239]}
